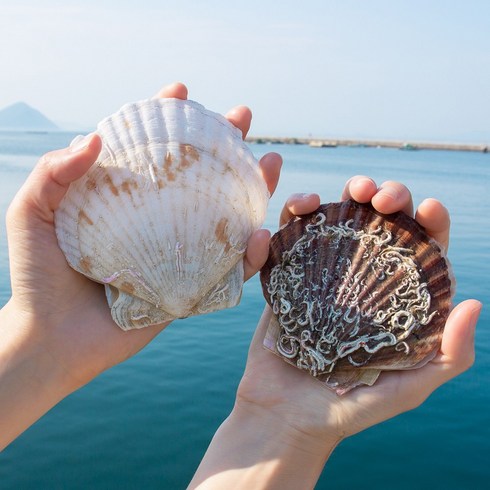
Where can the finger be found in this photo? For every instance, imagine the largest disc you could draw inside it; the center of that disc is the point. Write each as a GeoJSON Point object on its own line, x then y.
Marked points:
{"type": "Point", "coordinates": [270, 166]}
{"type": "Point", "coordinates": [240, 117]}
{"type": "Point", "coordinates": [392, 197]}
{"type": "Point", "coordinates": [176, 90]}
{"type": "Point", "coordinates": [299, 204]}
{"type": "Point", "coordinates": [457, 354]}
{"type": "Point", "coordinates": [50, 179]}
{"type": "Point", "coordinates": [458, 341]}
{"type": "Point", "coordinates": [260, 331]}
{"type": "Point", "coordinates": [257, 253]}
{"type": "Point", "coordinates": [360, 188]}
{"type": "Point", "coordinates": [434, 217]}
{"type": "Point", "coordinates": [457, 349]}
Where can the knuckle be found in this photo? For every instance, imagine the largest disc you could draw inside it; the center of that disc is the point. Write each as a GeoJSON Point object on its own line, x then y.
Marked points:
{"type": "Point", "coordinates": [46, 161]}
{"type": "Point", "coordinates": [10, 214]}
{"type": "Point", "coordinates": [15, 211]}
{"type": "Point", "coordinates": [468, 362]}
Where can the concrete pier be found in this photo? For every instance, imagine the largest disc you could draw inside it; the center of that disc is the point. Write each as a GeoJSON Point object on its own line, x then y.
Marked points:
{"type": "Point", "coordinates": [402, 145]}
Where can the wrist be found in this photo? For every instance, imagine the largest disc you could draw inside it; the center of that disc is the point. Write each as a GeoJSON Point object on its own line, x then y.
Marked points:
{"type": "Point", "coordinates": [31, 381]}
{"type": "Point", "coordinates": [27, 341]}
{"type": "Point", "coordinates": [286, 433]}
{"type": "Point", "coordinates": [254, 448]}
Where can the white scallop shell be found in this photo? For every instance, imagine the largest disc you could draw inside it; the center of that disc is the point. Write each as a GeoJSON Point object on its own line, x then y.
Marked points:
{"type": "Point", "coordinates": [164, 216]}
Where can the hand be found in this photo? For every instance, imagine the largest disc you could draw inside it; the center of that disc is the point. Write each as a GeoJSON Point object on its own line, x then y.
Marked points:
{"type": "Point", "coordinates": [316, 411]}
{"type": "Point", "coordinates": [56, 318]}
{"type": "Point", "coordinates": [285, 424]}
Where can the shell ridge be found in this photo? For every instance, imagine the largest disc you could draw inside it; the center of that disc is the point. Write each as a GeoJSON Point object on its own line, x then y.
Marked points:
{"type": "Point", "coordinates": [368, 302]}
{"type": "Point", "coordinates": [164, 217]}
{"type": "Point", "coordinates": [104, 252]}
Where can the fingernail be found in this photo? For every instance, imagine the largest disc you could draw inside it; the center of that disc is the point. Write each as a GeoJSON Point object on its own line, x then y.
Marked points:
{"type": "Point", "coordinates": [390, 192]}
{"type": "Point", "coordinates": [80, 143]}
{"type": "Point", "coordinates": [361, 180]}
{"type": "Point", "coordinates": [305, 196]}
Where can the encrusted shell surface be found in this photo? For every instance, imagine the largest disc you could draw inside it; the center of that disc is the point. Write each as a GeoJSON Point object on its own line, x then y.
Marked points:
{"type": "Point", "coordinates": [355, 292]}
{"type": "Point", "coordinates": [164, 216]}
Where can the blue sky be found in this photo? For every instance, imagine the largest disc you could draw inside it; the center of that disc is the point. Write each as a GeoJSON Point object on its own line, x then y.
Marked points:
{"type": "Point", "coordinates": [388, 69]}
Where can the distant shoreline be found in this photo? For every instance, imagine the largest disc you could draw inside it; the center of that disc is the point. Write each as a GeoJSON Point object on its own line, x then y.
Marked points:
{"type": "Point", "coordinates": [401, 145]}
{"type": "Point", "coordinates": [409, 145]}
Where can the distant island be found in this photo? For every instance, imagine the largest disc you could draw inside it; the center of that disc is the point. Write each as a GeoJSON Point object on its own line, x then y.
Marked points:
{"type": "Point", "coordinates": [22, 117]}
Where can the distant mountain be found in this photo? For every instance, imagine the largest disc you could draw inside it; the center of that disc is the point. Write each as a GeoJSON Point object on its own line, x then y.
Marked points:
{"type": "Point", "coordinates": [23, 117]}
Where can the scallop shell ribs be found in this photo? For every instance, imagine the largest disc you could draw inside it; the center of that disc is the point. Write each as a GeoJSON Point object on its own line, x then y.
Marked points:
{"type": "Point", "coordinates": [354, 292]}
{"type": "Point", "coordinates": [163, 217]}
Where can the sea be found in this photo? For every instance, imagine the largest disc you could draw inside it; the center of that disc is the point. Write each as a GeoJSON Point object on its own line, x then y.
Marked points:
{"type": "Point", "coordinates": [145, 424]}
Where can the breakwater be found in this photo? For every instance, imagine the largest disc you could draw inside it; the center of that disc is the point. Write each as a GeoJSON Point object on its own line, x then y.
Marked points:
{"type": "Point", "coordinates": [402, 145]}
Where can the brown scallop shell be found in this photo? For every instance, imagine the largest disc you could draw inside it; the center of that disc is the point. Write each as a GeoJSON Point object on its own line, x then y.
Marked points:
{"type": "Point", "coordinates": [355, 292]}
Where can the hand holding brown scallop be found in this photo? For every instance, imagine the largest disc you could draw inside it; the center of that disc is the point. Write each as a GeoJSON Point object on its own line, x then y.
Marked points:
{"type": "Point", "coordinates": [355, 292]}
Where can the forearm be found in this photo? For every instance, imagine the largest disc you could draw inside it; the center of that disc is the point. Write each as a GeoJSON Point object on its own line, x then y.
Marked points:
{"type": "Point", "coordinates": [255, 450]}
{"type": "Point", "coordinates": [30, 381]}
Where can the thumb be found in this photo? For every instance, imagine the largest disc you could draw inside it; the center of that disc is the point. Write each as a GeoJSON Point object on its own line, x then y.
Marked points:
{"type": "Point", "coordinates": [46, 186]}
{"type": "Point", "coordinates": [457, 352]}
{"type": "Point", "coordinates": [458, 341]}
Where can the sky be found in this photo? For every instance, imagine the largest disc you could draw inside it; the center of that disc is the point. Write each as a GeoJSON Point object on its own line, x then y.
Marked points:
{"type": "Point", "coordinates": [400, 69]}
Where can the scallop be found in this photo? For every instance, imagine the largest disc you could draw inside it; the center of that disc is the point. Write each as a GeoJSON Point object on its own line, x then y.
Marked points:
{"type": "Point", "coordinates": [163, 217]}
{"type": "Point", "coordinates": [354, 292]}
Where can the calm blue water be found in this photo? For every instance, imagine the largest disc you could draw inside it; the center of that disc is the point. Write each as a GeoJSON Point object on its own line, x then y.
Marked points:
{"type": "Point", "coordinates": [147, 423]}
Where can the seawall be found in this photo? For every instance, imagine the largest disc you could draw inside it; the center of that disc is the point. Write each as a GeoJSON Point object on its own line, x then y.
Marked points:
{"type": "Point", "coordinates": [402, 145]}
